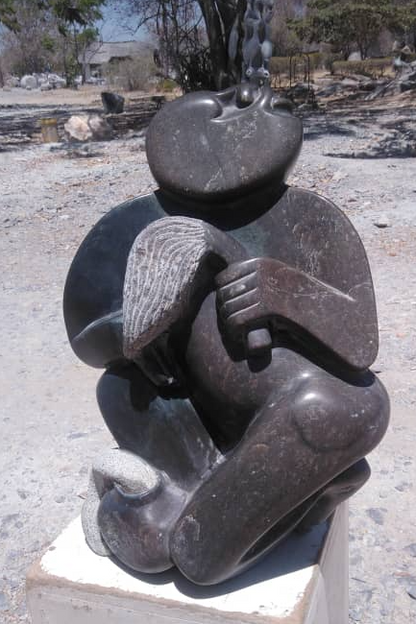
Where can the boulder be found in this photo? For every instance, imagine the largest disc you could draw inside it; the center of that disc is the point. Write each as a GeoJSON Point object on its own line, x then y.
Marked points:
{"type": "Point", "coordinates": [12, 81]}
{"type": "Point", "coordinates": [45, 86]}
{"type": "Point", "coordinates": [112, 102]}
{"type": "Point", "coordinates": [56, 81]}
{"type": "Point", "coordinates": [78, 129]}
{"type": "Point", "coordinates": [355, 56]}
{"type": "Point", "coordinates": [88, 128]}
{"type": "Point", "coordinates": [100, 128]}
{"type": "Point", "coordinates": [29, 82]}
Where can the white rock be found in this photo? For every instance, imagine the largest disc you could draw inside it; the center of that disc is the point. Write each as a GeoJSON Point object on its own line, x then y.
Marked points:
{"type": "Point", "coordinates": [77, 128]}
{"type": "Point", "coordinates": [86, 128]}
{"type": "Point", "coordinates": [29, 82]}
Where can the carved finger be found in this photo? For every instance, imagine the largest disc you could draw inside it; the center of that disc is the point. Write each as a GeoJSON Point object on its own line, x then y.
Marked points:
{"type": "Point", "coordinates": [242, 318]}
{"type": "Point", "coordinates": [239, 303]}
{"type": "Point", "coordinates": [235, 272]}
{"type": "Point", "coordinates": [236, 289]}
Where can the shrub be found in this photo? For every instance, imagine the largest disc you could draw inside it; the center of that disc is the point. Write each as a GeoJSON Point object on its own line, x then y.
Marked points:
{"type": "Point", "coordinates": [132, 74]}
{"type": "Point", "coordinates": [167, 85]}
{"type": "Point", "coordinates": [372, 68]}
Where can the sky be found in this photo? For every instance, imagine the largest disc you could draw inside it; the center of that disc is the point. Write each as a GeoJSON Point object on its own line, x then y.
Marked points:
{"type": "Point", "coordinates": [118, 28]}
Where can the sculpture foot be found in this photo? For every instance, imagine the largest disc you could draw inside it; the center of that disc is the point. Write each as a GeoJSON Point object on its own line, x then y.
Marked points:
{"type": "Point", "coordinates": [115, 469]}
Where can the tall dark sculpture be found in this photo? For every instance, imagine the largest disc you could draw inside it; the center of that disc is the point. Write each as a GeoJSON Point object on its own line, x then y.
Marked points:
{"type": "Point", "coordinates": [236, 320]}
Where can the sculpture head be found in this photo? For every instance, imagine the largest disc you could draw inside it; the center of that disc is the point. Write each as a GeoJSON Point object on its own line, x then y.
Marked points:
{"type": "Point", "coordinates": [221, 146]}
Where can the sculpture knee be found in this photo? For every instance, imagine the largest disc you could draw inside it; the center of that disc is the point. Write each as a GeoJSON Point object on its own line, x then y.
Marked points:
{"type": "Point", "coordinates": [333, 415]}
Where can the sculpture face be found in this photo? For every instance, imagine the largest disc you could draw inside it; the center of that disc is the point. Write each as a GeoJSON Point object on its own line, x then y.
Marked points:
{"type": "Point", "coordinates": [216, 146]}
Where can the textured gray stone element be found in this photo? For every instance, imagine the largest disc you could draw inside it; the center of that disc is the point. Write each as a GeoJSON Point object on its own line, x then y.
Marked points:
{"type": "Point", "coordinates": [159, 276]}
{"type": "Point", "coordinates": [118, 468]}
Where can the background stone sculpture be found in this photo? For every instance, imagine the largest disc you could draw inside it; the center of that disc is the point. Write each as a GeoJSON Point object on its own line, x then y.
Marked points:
{"type": "Point", "coordinates": [236, 319]}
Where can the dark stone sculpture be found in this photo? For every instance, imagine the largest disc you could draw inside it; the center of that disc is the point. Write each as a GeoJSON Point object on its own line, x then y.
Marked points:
{"type": "Point", "coordinates": [236, 320]}
{"type": "Point", "coordinates": [113, 103]}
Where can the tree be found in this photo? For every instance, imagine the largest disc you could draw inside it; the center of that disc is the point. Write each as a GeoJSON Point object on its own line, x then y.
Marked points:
{"type": "Point", "coordinates": [28, 48]}
{"type": "Point", "coordinates": [48, 33]}
{"type": "Point", "coordinates": [285, 40]}
{"type": "Point", "coordinates": [342, 23]}
{"type": "Point", "coordinates": [44, 30]}
{"type": "Point", "coordinates": [403, 23]}
{"type": "Point", "coordinates": [80, 12]}
{"type": "Point", "coordinates": [201, 38]}
{"type": "Point", "coordinates": [8, 14]}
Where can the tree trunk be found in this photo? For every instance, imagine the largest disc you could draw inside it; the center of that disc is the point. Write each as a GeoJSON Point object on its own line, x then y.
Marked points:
{"type": "Point", "coordinates": [217, 44]}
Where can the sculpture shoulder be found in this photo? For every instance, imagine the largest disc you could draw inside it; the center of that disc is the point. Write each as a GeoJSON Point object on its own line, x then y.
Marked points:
{"type": "Point", "coordinates": [318, 238]}
{"type": "Point", "coordinates": [94, 286]}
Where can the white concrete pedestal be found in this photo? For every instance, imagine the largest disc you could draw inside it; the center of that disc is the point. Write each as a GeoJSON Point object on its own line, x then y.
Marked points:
{"type": "Point", "coordinates": [304, 581]}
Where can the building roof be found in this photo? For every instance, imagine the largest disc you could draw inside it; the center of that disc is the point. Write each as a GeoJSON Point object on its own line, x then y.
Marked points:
{"type": "Point", "coordinates": [102, 52]}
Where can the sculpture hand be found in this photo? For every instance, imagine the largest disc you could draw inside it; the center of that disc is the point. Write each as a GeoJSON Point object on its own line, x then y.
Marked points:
{"type": "Point", "coordinates": [243, 298]}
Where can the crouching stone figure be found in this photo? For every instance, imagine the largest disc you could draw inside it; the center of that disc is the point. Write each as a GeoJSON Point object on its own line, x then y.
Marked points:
{"type": "Point", "coordinates": [236, 320]}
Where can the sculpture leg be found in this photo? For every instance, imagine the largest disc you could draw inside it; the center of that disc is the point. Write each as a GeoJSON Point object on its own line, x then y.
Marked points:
{"type": "Point", "coordinates": [298, 443]}
{"type": "Point", "coordinates": [138, 491]}
{"type": "Point", "coordinates": [166, 433]}
{"type": "Point", "coordinates": [336, 492]}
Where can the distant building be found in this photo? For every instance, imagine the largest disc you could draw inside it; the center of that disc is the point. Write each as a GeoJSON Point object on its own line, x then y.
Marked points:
{"type": "Point", "coordinates": [101, 53]}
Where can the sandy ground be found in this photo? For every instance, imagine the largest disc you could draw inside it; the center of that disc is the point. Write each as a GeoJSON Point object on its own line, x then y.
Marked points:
{"type": "Point", "coordinates": [51, 427]}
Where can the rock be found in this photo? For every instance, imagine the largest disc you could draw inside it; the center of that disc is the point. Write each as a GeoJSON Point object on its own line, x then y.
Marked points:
{"type": "Point", "coordinates": [355, 56]}
{"type": "Point", "coordinates": [411, 549]}
{"type": "Point", "coordinates": [77, 128]}
{"type": "Point", "coordinates": [56, 81]}
{"type": "Point", "coordinates": [349, 82]}
{"type": "Point", "coordinates": [46, 86]}
{"type": "Point", "coordinates": [101, 129]}
{"type": "Point", "coordinates": [382, 222]}
{"type": "Point", "coordinates": [86, 128]}
{"type": "Point", "coordinates": [376, 515]}
{"type": "Point", "coordinates": [412, 592]}
{"type": "Point", "coordinates": [407, 85]}
{"type": "Point", "coordinates": [113, 103]}
{"type": "Point", "coordinates": [369, 85]}
{"type": "Point", "coordinates": [29, 82]}
{"type": "Point", "coordinates": [12, 82]}
{"type": "Point", "coordinates": [329, 90]}
{"type": "Point", "coordinates": [359, 77]}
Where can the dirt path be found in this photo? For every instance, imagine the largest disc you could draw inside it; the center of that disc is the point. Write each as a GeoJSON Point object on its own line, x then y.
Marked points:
{"type": "Point", "coordinates": [51, 425]}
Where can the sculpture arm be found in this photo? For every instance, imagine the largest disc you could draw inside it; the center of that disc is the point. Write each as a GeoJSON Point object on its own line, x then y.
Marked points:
{"type": "Point", "coordinates": [268, 290]}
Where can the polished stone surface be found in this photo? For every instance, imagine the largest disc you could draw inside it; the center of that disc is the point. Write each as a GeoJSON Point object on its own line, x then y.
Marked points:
{"type": "Point", "coordinates": [236, 320]}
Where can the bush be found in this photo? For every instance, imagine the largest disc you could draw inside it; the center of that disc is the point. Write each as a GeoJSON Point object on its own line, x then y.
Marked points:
{"type": "Point", "coordinates": [132, 74]}
{"type": "Point", "coordinates": [167, 85]}
{"type": "Point", "coordinates": [372, 68]}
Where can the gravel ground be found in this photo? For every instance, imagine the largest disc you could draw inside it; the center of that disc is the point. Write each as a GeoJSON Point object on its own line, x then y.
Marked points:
{"type": "Point", "coordinates": [51, 425]}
